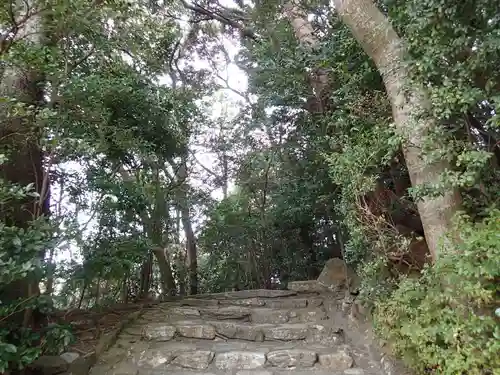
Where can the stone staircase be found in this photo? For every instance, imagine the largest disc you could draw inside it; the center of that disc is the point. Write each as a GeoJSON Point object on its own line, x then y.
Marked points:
{"type": "Point", "coordinates": [255, 332]}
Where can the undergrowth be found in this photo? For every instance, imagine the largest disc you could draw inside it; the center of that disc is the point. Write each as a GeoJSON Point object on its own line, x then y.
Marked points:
{"type": "Point", "coordinates": [448, 320]}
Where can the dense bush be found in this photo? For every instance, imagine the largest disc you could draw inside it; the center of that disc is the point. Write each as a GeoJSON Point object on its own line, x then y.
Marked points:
{"type": "Point", "coordinates": [20, 344]}
{"type": "Point", "coordinates": [448, 319]}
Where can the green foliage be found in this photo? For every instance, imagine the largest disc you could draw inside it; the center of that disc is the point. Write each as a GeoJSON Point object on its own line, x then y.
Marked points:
{"type": "Point", "coordinates": [446, 319]}
{"type": "Point", "coordinates": [20, 263]}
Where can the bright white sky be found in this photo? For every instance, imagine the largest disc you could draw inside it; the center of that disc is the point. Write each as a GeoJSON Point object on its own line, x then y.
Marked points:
{"type": "Point", "coordinates": [224, 104]}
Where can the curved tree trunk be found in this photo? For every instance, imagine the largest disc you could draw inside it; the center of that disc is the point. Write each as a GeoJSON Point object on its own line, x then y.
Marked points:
{"type": "Point", "coordinates": [380, 41]}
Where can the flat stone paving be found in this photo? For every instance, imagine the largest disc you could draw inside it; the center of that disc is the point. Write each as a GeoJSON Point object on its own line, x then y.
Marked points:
{"type": "Point", "coordinates": [258, 332]}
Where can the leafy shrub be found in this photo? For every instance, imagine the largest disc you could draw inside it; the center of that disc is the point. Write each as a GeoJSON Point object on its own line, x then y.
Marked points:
{"type": "Point", "coordinates": [446, 321]}
{"type": "Point", "coordinates": [19, 259]}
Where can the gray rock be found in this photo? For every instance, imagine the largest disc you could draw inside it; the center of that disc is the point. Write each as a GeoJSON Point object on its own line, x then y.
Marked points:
{"type": "Point", "coordinates": [70, 357]}
{"type": "Point", "coordinates": [199, 302]}
{"type": "Point", "coordinates": [228, 312]}
{"type": "Point", "coordinates": [260, 293]}
{"type": "Point", "coordinates": [184, 311]}
{"type": "Point", "coordinates": [354, 371]}
{"type": "Point", "coordinates": [152, 359]}
{"type": "Point", "coordinates": [286, 332]}
{"type": "Point", "coordinates": [292, 358]}
{"type": "Point", "coordinates": [337, 275]}
{"type": "Point", "coordinates": [324, 335]}
{"type": "Point", "coordinates": [290, 303]}
{"type": "Point", "coordinates": [196, 330]}
{"type": "Point", "coordinates": [269, 316]}
{"type": "Point", "coordinates": [254, 372]}
{"type": "Point", "coordinates": [314, 301]}
{"type": "Point", "coordinates": [198, 359]}
{"type": "Point", "coordinates": [242, 331]}
{"type": "Point", "coordinates": [50, 364]}
{"type": "Point", "coordinates": [158, 332]}
{"type": "Point", "coordinates": [338, 361]}
{"type": "Point", "coordinates": [305, 316]}
{"type": "Point", "coordinates": [123, 368]}
{"type": "Point", "coordinates": [306, 286]}
{"type": "Point", "coordinates": [244, 302]}
{"type": "Point", "coordinates": [240, 360]}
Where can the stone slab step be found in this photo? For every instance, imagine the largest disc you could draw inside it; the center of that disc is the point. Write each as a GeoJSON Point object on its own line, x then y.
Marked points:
{"type": "Point", "coordinates": [278, 316]}
{"type": "Point", "coordinates": [306, 286]}
{"type": "Point", "coordinates": [174, 357]}
{"type": "Point", "coordinates": [273, 303]}
{"type": "Point", "coordinates": [208, 330]}
{"type": "Point", "coordinates": [241, 294]}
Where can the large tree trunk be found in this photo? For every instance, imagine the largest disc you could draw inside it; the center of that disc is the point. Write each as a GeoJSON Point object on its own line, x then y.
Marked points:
{"type": "Point", "coordinates": [20, 139]}
{"type": "Point", "coordinates": [380, 41]}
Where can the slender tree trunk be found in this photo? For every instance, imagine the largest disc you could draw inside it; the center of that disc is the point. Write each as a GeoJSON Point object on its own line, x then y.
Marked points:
{"type": "Point", "coordinates": [124, 289]}
{"type": "Point", "coordinates": [183, 203]}
{"type": "Point", "coordinates": [82, 295]}
{"type": "Point", "coordinates": [146, 270]}
{"type": "Point", "coordinates": [320, 78]}
{"type": "Point", "coordinates": [380, 41]}
{"type": "Point", "coordinates": [166, 276]}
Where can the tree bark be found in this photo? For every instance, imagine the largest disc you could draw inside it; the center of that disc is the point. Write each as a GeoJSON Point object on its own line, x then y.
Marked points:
{"type": "Point", "coordinates": [191, 250]}
{"type": "Point", "coordinates": [146, 271]}
{"type": "Point", "coordinates": [166, 277]}
{"type": "Point", "coordinates": [379, 40]}
{"type": "Point", "coordinates": [19, 137]}
{"type": "Point", "coordinates": [320, 78]}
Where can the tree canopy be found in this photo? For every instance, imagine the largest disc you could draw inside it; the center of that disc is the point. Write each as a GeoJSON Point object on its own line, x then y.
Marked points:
{"type": "Point", "coordinates": [159, 148]}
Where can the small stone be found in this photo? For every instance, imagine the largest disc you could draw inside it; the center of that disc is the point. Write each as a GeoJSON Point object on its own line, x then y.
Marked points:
{"type": "Point", "coordinates": [240, 331]}
{"type": "Point", "coordinates": [292, 358]}
{"type": "Point", "coordinates": [339, 361]}
{"type": "Point", "coordinates": [196, 330]}
{"type": "Point", "coordinates": [158, 332]}
{"type": "Point", "coordinates": [269, 316]}
{"type": "Point", "coordinates": [70, 357]}
{"type": "Point", "coordinates": [198, 359]}
{"type": "Point", "coordinates": [354, 371]}
{"type": "Point", "coordinates": [286, 332]}
{"type": "Point", "coordinates": [240, 360]}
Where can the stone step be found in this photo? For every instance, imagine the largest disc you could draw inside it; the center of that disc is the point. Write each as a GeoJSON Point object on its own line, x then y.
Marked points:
{"type": "Point", "coordinates": [278, 316]}
{"type": "Point", "coordinates": [306, 286]}
{"type": "Point", "coordinates": [273, 303]}
{"type": "Point", "coordinates": [208, 330]}
{"type": "Point", "coordinates": [176, 355]}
